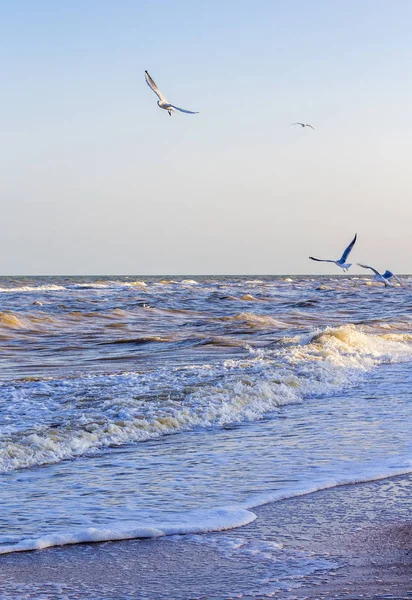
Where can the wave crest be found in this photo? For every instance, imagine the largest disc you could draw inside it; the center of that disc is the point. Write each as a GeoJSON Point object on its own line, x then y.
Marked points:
{"type": "Point", "coordinates": [135, 407]}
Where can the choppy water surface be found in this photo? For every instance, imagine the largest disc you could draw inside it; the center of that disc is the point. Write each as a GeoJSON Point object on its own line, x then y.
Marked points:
{"type": "Point", "coordinates": [142, 407]}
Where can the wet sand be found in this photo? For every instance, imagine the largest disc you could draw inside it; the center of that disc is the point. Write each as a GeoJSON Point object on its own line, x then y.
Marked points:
{"type": "Point", "coordinates": [358, 538]}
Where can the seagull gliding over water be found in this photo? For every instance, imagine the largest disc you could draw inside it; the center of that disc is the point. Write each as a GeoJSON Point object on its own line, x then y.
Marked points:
{"type": "Point", "coordinates": [385, 278]}
{"type": "Point", "coordinates": [341, 262]}
{"type": "Point", "coordinates": [162, 102]}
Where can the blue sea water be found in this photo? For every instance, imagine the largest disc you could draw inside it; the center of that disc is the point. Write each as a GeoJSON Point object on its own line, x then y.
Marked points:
{"type": "Point", "coordinates": [141, 407]}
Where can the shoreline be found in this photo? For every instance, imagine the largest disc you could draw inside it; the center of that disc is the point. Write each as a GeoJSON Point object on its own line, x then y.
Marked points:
{"type": "Point", "coordinates": [350, 541]}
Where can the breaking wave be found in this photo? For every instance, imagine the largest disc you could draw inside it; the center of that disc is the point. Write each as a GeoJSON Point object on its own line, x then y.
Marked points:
{"type": "Point", "coordinates": [30, 288]}
{"type": "Point", "coordinates": [135, 407]}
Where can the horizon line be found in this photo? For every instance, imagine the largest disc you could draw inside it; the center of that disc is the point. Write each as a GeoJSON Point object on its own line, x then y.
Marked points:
{"type": "Point", "coordinates": [200, 275]}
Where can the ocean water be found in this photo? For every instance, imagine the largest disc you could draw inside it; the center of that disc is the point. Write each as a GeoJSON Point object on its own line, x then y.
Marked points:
{"type": "Point", "coordinates": [143, 407]}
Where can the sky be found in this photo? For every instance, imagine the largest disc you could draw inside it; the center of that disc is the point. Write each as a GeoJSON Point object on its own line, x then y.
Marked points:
{"type": "Point", "coordinates": [96, 179]}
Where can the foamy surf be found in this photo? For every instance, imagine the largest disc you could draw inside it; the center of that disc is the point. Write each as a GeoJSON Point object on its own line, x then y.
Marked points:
{"type": "Point", "coordinates": [93, 285]}
{"type": "Point", "coordinates": [30, 289]}
{"type": "Point", "coordinates": [195, 521]}
{"type": "Point", "coordinates": [133, 407]}
{"type": "Point", "coordinates": [268, 389]}
{"type": "Point", "coordinates": [201, 521]}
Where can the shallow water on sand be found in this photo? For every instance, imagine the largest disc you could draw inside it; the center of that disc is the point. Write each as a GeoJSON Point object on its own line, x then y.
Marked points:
{"type": "Point", "coordinates": [144, 406]}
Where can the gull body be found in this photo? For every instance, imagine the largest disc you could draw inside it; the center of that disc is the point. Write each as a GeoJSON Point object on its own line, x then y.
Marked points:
{"type": "Point", "coordinates": [384, 278]}
{"type": "Point", "coordinates": [162, 102]}
{"type": "Point", "coordinates": [341, 262]}
{"type": "Point", "coordinates": [303, 125]}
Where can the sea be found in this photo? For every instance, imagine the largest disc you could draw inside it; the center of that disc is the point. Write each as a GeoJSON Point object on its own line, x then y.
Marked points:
{"type": "Point", "coordinates": [143, 407]}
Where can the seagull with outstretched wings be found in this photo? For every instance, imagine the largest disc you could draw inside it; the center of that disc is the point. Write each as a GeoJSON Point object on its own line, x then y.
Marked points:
{"type": "Point", "coordinates": [341, 262]}
{"type": "Point", "coordinates": [304, 125]}
{"type": "Point", "coordinates": [162, 102]}
{"type": "Point", "coordinates": [385, 278]}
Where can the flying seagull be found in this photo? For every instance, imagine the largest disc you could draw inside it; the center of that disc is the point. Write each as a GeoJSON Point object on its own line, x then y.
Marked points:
{"type": "Point", "coordinates": [304, 125]}
{"type": "Point", "coordinates": [162, 102]}
{"type": "Point", "coordinates": [385, 278]}
{"type": "Point", "coordinates": [342, 260]}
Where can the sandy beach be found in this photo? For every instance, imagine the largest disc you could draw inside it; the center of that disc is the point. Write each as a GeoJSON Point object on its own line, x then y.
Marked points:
{"type": "Point", "coordinates": [361, 534]}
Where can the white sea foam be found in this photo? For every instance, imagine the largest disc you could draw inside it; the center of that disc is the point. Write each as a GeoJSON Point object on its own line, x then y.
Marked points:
{"type": "Point", "coordinates": [126, 420]}
{"type": "Point", "coordinates": [108, 285]}
{"type": "Point", "coordinates": [103, 285]}
{"type": "Point", "coordinates": [29, 288]}
{"type": "Point", "coordinates": [354, 475]}
{"type": "Point", "coordinates": [137, 407]}
{"type": "Point", "coordinates": [200, 521]}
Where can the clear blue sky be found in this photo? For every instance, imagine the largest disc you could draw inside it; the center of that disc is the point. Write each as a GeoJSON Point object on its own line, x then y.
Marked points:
{"type": "Point", "coordinates": [97, 179]}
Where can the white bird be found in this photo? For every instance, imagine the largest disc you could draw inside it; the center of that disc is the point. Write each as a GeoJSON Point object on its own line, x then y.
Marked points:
{"type": "Point", "coordinates": [162, 102]}
{"type": "Point", "coordinates": [304, 125]}
{"type": "Point", "coordinates": [385, 278]}
{"type": "Point", "coordinates": [341, 262]}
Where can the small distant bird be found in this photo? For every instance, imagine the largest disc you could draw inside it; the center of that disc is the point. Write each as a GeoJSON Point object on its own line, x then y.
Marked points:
{"type": "Point", "coordinates": [385, 278]}
{"type": "Point", "coordinates": [162, 102]}
{"type": "Point", "coordinates": [342, 261]}
{"type": "Point", "coordinates": [304, 125]}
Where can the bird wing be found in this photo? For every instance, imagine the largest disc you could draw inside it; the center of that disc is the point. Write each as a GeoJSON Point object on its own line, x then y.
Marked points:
{"type": "Point", "coordinates": [307, 125]}
{"type": "Point", "coordinates": [388, 275]}
{"type": "Point", "coordinates": [154, 87]}
{"type": "Point", "coordinates": [189, 112]}
{"type": "Point", "coordinates": [371, 268]}
{"type": "Point", "coordinates": [322, 259]}
{"type": "Point", "coordinates": [348, 249]}
{"type": "Point", "coordinates": [298, 124]}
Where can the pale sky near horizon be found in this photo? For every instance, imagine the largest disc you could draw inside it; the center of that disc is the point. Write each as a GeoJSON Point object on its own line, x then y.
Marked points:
{"type": "Point", "coordinates": [96, 179]}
